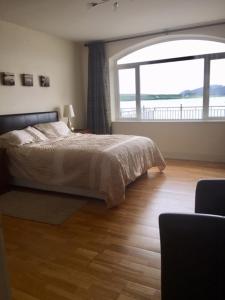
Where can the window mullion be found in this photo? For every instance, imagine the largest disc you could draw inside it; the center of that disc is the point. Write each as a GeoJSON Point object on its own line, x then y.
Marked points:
{"type": "Point", "coordinates": [117, 95]}
{"type": "Point", "coordinates": [138, 92]}
{"type": "Point", "coordinates": [206, 87]}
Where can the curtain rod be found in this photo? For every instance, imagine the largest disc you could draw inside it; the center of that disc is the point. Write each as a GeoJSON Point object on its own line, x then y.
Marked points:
{"type": "Point", "coordinates": [164, 31]}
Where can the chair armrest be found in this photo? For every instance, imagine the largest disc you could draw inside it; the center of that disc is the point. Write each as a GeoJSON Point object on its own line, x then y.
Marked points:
{"type": "Point", "coordinates": [210, 197]}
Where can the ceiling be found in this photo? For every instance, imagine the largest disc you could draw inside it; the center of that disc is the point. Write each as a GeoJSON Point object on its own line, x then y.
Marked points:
{"type": "Point", "coordinates": [74, 20]}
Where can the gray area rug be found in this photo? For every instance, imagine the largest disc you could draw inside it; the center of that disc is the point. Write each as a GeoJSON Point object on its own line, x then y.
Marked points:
{"type": "Point", "coordinates": [38, 206]}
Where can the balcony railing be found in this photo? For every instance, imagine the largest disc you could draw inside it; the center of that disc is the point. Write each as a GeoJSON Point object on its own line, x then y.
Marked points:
{"type": "Point", "coordinates": [173, 113]}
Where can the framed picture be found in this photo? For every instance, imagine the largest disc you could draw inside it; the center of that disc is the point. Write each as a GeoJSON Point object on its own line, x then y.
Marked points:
{"type": "Point", "coordinates": [27, 79]}
{"type": "Point", "coordinates": [44, 81]}
{"type": "Point", "coordinates": [8, 78]}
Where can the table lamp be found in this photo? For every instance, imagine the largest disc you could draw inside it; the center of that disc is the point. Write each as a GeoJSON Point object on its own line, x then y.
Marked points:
{"type": "Point", "coordinates": [69, 113]}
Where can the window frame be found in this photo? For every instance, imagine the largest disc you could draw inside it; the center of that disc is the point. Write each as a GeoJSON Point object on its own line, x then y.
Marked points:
{"type": "Point", "coordinates": [136, 66]}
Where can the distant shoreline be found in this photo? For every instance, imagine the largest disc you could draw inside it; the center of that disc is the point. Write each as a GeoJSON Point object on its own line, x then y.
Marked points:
{"type": "Point", "coordinates": [147, 97]}
{"type": "Point", "coordinates": [216, 90]}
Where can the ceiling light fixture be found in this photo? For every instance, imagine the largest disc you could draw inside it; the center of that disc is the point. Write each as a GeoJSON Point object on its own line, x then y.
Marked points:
{"type": "Point", "coordinates": [115, 4]}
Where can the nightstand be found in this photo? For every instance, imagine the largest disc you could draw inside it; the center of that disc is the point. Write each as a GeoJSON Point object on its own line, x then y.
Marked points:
{"type": "Point", "coordinates": [4, 174]}
{"type": "Point", "coordinates": [86, 130]}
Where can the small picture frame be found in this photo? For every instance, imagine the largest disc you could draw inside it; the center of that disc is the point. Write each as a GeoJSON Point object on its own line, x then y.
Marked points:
{"type": "Point", "coordinates": [8, 78]}
{"type": "Point", "coordinates": [27, 79]}
{"type": "Point", "coordinates": [44, 81]}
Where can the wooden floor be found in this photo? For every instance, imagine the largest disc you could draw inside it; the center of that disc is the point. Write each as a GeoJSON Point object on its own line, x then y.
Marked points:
{"type": "Point", "coordinates": [100, 253]}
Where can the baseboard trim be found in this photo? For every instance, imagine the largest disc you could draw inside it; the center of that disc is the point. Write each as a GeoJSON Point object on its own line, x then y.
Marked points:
{"type": "Point", "coordinates": [198, 157]}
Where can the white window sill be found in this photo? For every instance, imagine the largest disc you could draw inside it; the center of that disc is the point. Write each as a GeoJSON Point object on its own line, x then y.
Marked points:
{"type": "Point", "coordinates": [170, 121]}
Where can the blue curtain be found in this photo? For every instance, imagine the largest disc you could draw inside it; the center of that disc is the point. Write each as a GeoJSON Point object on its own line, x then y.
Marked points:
{"type": "Point", "coordinates": [98, 102]}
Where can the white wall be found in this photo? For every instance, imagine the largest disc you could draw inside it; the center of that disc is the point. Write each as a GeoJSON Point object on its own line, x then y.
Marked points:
{"type": "Point", "coordinates": [26, 51]}
{"type": "Point", "coordinates": [184, 140]}
{"type": "Point", "coordinates": [203, 141]}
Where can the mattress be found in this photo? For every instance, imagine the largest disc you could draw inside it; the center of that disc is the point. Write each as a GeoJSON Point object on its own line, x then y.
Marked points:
{"type": "Point", "coordinates": [103, 164]}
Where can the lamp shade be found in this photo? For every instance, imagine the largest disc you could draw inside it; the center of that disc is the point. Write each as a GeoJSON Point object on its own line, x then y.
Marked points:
{"type": "Point", "coordinates": [68, 111]}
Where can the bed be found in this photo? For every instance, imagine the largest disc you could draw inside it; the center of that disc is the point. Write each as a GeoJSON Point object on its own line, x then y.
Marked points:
{"type": "Point", "coordinates": [99, 166]}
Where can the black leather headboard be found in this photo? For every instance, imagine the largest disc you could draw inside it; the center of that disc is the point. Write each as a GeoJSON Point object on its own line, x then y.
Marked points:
{"type": "Point", "coordinates": [20, 121]}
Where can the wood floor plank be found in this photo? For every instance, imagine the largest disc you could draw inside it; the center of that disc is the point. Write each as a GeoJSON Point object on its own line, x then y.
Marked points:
{"type": "Point", "coordinates": [99, 253]}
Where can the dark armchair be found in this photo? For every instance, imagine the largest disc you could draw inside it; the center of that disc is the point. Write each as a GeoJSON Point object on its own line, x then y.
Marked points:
{"type": "Point", "coordinates": [210, 197]}
{"type": "Point", "coordinates": [193, 247]}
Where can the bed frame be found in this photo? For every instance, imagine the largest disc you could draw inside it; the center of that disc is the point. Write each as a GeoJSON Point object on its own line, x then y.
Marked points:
{"type": "Point", "coordinates": [20, 121]}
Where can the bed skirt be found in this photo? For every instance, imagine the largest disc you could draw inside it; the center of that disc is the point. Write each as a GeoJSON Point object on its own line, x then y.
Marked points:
{"type": "Point", "coordinates": [60, 189]}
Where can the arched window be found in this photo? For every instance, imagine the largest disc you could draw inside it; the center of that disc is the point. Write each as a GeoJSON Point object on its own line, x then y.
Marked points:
{"type": "Point", "coordinates": [175, 80]}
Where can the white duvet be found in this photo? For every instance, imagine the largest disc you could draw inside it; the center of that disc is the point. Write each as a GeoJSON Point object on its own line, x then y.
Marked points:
{"type": "Point", "coordinates": [101, 163]}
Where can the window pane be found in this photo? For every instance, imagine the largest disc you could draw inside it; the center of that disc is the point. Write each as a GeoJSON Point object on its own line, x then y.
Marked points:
{"type": "Point", "coordinates": [172, 91]}
{"type": "Point", "coordinates": [173, 49]}
{"type": "Point", "coordinates": [217, 89]}
{"type": "Point", "coordinates": [127, 91]}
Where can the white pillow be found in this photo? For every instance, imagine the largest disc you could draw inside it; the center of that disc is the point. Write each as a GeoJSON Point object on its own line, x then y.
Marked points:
{"type": "Point", "coordinates": [36, 134]}
{"type": "Point", "coordinates": [16, 138]}
{"type": "Point", "coordinates": [53, 129]}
